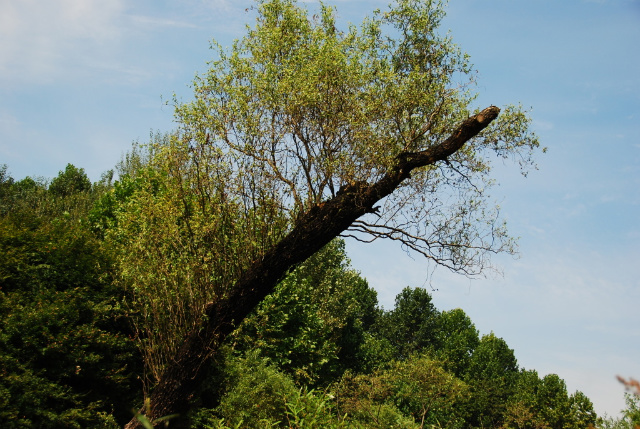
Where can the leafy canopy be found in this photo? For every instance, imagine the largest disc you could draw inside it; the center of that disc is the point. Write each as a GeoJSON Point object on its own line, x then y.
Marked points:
{"type": "Point", "coordinates": [297, 110]}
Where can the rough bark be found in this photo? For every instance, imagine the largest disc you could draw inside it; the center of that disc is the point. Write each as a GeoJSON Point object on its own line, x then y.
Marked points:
{"type": "Point", "coordinates": [313, 231]}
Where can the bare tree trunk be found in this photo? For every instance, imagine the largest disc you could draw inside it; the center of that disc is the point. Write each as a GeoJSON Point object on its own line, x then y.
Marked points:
{"type": "Point", "coordinates": [313, 231]}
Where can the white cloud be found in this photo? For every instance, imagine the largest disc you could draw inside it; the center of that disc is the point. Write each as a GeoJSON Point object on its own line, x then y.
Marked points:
{"type": "Point", "coordinates": [43, 40]}
{"type": "Point", "coordinates": [71, 41]}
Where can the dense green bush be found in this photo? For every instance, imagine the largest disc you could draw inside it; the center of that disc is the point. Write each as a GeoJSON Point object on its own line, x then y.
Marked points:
{"type": "Point", "coordinates": [66, 356]}
{"type": "Point", "coordinates": [315, 324]}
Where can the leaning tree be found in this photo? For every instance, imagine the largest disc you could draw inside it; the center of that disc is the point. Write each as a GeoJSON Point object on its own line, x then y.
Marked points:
{"type": "Point", "coordinates": [298, 133]}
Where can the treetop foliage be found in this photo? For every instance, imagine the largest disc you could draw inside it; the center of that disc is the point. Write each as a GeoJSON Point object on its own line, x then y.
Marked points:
{"type": "Point", "coordinates": [72, 180]}
{"type": "Point", "coordinates": [297, 110]}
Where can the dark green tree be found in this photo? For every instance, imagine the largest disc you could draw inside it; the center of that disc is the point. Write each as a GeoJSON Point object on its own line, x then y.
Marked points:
{"type": "Point", "coordinates": [582, 412]}
{"type": "Point", "coordinates": [426, 391]}
{"type": "Point", "coordinates": [491, 375]}
{"type": "Point", "coordinates": [412, 325]}
{"type": "Point", "coordinates": [70, 181]}
{"type": "Point", "coordinates": [66, 358]}
{"type": "Point", "coordinates": [553, 402]}
{"type": "Point", "coordinates": [544, 403]}
{"type": "Point", "coordinates": [456, 340]}
{"type": "Point", "coordinates": [522, 411]}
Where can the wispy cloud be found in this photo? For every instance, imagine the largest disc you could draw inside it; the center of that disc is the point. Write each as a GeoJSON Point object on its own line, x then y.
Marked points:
{"type": "Point", "coordinates": [39, 39]}
{"type": "Point", "coordinates": [161, 22]}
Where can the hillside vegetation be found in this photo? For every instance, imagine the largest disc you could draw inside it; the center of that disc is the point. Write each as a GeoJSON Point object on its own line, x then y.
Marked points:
{"type": "Point", "coordinates": [318, 353]}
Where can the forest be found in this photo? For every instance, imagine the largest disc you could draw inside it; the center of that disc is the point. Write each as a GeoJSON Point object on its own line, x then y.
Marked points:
{"type": "Point", "coordinates": [203, 282]}
{"type": "Point", "coordinates": [317, 353]}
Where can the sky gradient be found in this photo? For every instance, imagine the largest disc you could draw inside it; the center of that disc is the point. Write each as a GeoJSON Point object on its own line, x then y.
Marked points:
{"type": "Point", "coordinates": [81, 79]}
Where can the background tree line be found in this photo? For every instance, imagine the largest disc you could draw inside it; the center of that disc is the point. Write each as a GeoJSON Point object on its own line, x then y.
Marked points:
{"type": "Point", "coordinates": [319, 352]}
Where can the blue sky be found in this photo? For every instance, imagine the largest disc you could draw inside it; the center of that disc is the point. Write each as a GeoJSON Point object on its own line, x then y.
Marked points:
{"type": "Point", "coordinates": [81, 79]}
